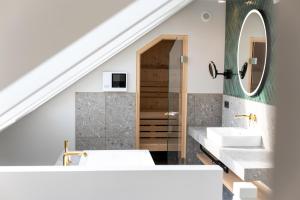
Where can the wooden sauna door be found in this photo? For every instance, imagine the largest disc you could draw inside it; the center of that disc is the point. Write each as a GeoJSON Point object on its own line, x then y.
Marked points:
{"type": "Point", "coordinates": [161, 97]}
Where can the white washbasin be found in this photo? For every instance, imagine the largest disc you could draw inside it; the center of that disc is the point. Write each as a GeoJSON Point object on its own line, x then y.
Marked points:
{"type": "Point", "coordinates": [117, 158]}
{"type": "Point", "coordinates": [234, 137]}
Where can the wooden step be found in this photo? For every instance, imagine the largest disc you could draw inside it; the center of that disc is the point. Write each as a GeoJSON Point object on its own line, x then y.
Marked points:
{"type": "Point", "coordinates": [159, 144]}
{"type": "Point", "coordinates": [159, 89]}
{"type": "Point", "coordinates": [159, 134]}
{"type": "Point", "coordinates": [153, 115]}
{"type": "Point", "coordinates": [154, 128]}
{"type": "Point", "coordinates": [165, 96]}
{"type": "Point", "coordinates": [154, 83]}
{"type": "Point", "coordinates": [158, 122]}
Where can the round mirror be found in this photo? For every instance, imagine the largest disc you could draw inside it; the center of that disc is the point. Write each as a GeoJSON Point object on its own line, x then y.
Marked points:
{"type": "Point", "coordinates": [252, 52]}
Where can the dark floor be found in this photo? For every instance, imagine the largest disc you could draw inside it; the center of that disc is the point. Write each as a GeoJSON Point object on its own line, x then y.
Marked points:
{"type": "Point", "coordinates": [171, 158]}
{"type": "Point", "coordinates": [165, 158]}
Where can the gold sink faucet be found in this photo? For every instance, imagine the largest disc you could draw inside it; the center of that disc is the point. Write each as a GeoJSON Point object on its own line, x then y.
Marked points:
{"type": "Point", "coordinates": [250, 117]}
{"type": "Point", "coordinates": [67, 154]}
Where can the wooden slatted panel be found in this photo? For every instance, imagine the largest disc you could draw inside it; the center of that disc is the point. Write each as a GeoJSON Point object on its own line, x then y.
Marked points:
{"type": "Point", "coordinates": [159, 134]}
{"type": "Point", "coordinates": [159, 144]}
{"type": "Point", "coordinates": [154, 144]}
{"type": "Point", "coordinates": [154, 104]}
{"type": "Point", "coordinates": [155, 89]}
{"type": "Point", "coordinates": [159, 128]}
{"type": "Point", "coordinates": [158, 122]}
{"type": "Point", "coordinates": [154, 134]}
{"type": "Point", "coordinates": [155, 66]}
{"type": "Point", "coordinates": [155, 95]}
{"type": "Point", "coordinates": [154, 75]}
{"type": "Point", "coordinates": [154, 83]}
{"type": "Point", "coordinates": [153, 115]}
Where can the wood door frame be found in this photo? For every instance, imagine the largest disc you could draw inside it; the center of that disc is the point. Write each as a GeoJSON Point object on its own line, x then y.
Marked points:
{"type": "Point", "coordinates": [184, 73]}
{"type": "Point", "coordinates": [251, 41]}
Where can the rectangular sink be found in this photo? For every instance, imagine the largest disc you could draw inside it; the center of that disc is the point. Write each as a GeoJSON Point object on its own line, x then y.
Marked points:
{"type": "Point", "coordinates": [234, 137]}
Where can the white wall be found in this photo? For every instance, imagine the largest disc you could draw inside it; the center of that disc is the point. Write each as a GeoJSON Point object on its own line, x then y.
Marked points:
{"type": "Point", "coordinates": [45, 129]}
{"type": "Point", "coordinates": [32, 31]}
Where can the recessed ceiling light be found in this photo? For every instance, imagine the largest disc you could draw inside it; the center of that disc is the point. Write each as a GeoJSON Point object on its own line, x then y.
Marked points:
{"type": "Point", "coordinates": [221, 1]}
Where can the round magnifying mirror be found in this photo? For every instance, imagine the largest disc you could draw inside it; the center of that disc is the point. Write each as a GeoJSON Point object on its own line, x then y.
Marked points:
{"type": "Point", "coordinates": [252, 52]}
{"type": "Point", "coordinates": [213, 70]}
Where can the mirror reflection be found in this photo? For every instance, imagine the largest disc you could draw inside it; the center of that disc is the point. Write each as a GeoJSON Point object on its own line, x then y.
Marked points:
{"type": "Point", "coordinates": [252, 52]}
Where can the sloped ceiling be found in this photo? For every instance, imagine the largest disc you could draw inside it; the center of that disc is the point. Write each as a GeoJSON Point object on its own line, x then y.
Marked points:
{"type": "Point", "coordinates": [33, 30]}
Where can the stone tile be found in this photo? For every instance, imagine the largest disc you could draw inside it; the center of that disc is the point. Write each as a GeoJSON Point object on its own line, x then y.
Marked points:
{"type": "Point", "coordinates": [193, 148]}
{"type": "Point", "coordinates": [120, 143]}
{"type": "Point", "coordinates": [191, 110]}
{"type": "Point", "coordinates": [90, 143]}
{"type": "Point", "coordinates": [264, 175]}
{"type": "Point", "coordinates": [90, 114]}
{"type": "Point", "coordinates": [208, 109]}
{"type": "Point", "coordinates": [120, 114]}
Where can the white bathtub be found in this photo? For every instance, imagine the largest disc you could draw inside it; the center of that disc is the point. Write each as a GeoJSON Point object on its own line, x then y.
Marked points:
{"type": "Point", "coordinates": [111, 183]}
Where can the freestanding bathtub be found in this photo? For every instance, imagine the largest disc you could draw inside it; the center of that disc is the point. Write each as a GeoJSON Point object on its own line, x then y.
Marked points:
{"type": "Point", "coordinates": [112, 175]}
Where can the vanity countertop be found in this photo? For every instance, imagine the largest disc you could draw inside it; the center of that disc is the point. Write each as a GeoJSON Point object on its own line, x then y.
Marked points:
{"type": "Point", "coordinates": [247, 162]}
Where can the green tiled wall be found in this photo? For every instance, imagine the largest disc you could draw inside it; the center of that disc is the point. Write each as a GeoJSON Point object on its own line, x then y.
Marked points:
{"type": "Point", "coordinates": [236, 10]}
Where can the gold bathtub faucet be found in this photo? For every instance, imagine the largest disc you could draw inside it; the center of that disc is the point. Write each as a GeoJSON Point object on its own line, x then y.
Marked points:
{"type": "Point", "coordinates": [250, 117]}
{"type": "Point", "coordinates": [67, 154]}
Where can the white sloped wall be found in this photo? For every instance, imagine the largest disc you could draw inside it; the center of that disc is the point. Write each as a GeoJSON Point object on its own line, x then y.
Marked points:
{"type": "Point", "coordinates": [32, 31]}
{"type": "Point", "coordinates": [72, 63]}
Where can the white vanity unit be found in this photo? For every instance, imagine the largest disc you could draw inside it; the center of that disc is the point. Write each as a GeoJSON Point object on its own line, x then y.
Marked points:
{"type": "Point", "coordinates": [250, 161]}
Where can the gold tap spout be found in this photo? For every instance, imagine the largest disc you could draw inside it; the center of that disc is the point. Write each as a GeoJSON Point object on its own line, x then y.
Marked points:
{"type": "Point", "coordinates": [250, 117]}
{"type": "Point", "coordinates": [67, 154]}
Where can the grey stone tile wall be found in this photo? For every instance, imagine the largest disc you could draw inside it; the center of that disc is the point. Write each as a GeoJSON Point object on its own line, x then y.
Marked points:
{"type": "Point", "coordinates": [107, 120]}
{"type": "Point", "coordinates": [193, 148]}
{"type": "Point", "coordinates": [203, 110]}
{"type": "Point", "coordinates": [90, 114]}
{"type": "Point", "coordinates": [104, 120]}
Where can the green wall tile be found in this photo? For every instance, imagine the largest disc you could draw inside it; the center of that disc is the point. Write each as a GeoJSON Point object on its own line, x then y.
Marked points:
{"type": "Point", "coordinates": [236, 10]}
